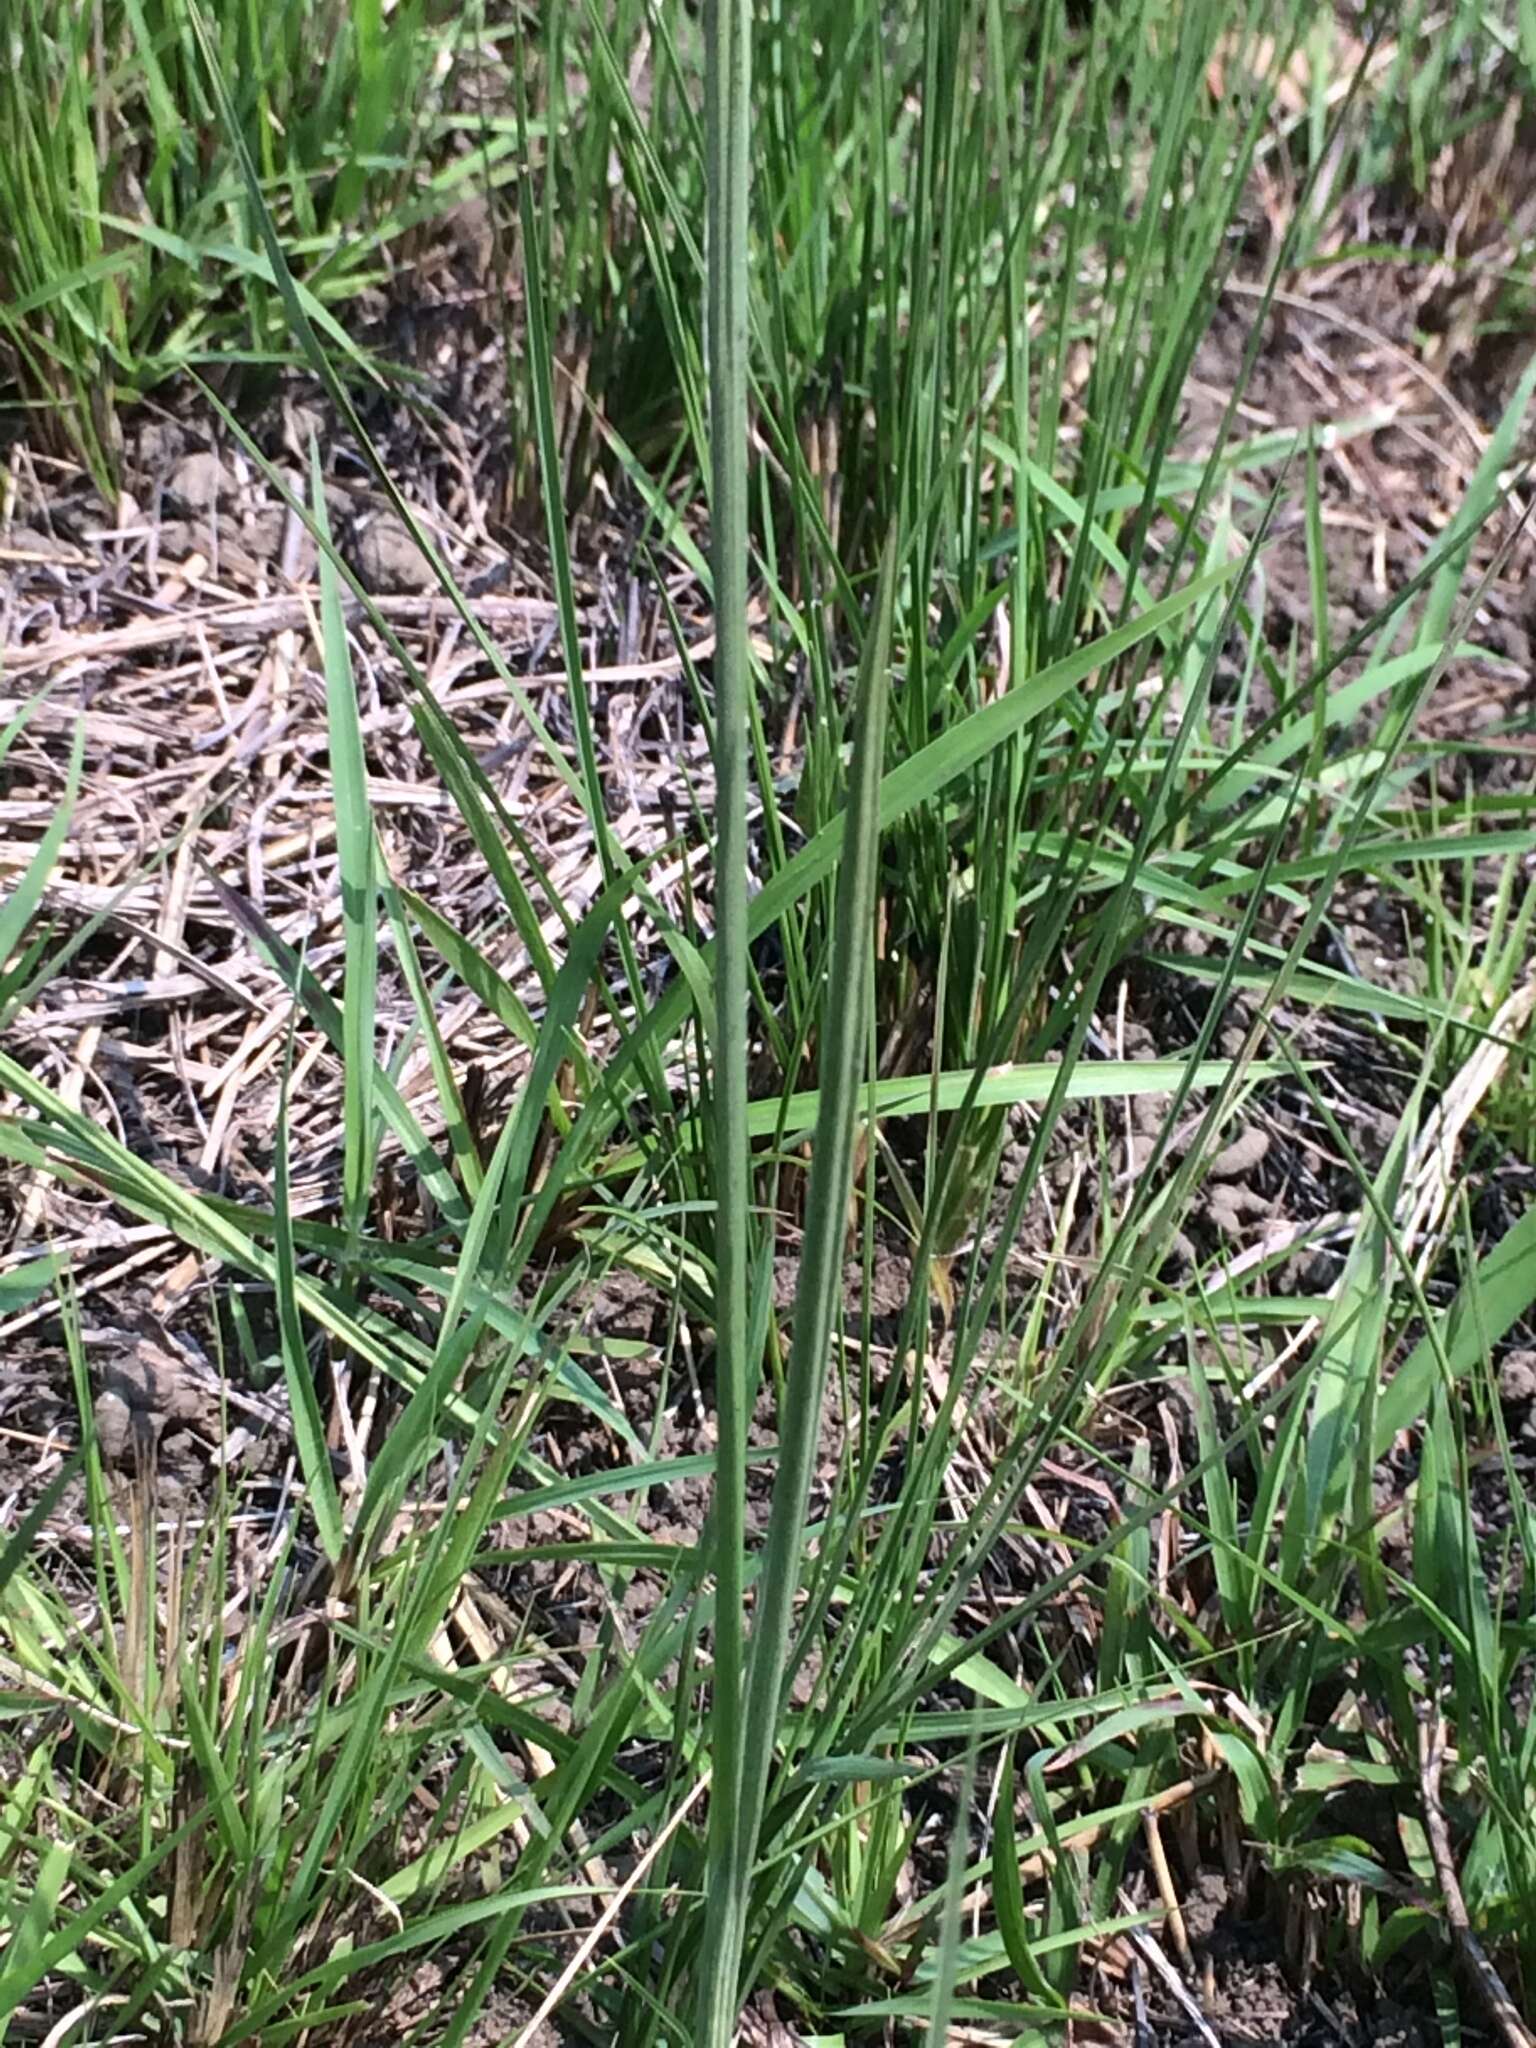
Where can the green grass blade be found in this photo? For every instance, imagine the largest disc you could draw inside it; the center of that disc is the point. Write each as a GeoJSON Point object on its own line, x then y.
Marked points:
{"type": "Point", "coordinates": [304, 1406]}
{"type": "Point", "coordinates": [818, 1290]}
{"type": "Point", "coordinates": [359, 893]}
{"type": "Point", "coordinates": [727, 97]}
{"type": "Point", "coordinates": [1493, 1297]}
{"type": "Point", "coordinates": [17, 910]}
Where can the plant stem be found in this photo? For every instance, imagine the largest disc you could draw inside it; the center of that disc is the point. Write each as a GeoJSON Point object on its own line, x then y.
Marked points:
{"type": "Point", "coordinates": [727, 90]}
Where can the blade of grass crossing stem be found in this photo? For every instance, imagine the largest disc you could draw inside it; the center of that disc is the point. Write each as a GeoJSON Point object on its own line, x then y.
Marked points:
{"type": "Point", "coordinates": [308, 1423]}
{"type": "Point", "coordinates": [359, 896]}
{"type": "Point", "coordinates": [456, 1126]}
{"type": "Point", "coordinates": [818, 1291]}
{"type": "Point", "coordinates": [727, 92]}
{"type": "Point", "coordinates": [70, 1137]}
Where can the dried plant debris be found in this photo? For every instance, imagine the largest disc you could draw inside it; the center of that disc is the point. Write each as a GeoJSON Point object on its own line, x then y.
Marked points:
{"type": "Point", "coordinates": [187, 654]}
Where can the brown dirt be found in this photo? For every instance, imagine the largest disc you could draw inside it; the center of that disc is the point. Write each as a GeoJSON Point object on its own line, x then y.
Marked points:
{"type": "Point", "coordinates": [1341, 343]}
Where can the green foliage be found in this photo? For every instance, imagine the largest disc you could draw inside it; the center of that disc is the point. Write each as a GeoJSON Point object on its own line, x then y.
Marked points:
{"type": "Point", "coordinates": [130, 245]}
{"type": "Point", "coordinates": [1047, 741]}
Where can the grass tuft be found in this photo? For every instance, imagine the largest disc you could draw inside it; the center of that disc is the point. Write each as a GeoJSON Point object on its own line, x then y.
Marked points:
{"type": "Point", "coordinates": [966, 1383]}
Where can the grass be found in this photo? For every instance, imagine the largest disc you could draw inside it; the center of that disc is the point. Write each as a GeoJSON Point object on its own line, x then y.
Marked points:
{"type": "Point", "coordinates": [933, 1747]}
{"type": "Point", "coordinates": [132, 249]}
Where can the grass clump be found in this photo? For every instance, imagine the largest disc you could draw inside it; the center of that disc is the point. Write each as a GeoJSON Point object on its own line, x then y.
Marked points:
{"type": "Point", "coordinates": [1134, 1537]}
{"type": "Point", "coordinates": [130, 249]}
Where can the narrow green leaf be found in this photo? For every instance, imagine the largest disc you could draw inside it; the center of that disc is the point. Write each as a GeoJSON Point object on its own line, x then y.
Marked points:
{"type": "Point", "coordinates": [732, 1824]}
{"type": "Point", "coordinates": [304, 1406]}
{"type": "Point", "coordinates": [359, 895]}
{"type": "Point", "coordinates": [1492, 1299]}
{"type": "Point", "coordinates": [24, 1284]}
{"type": "Point", "coordinates": [1008, 1893]}
{"type": "Point", "coordinates": [17, 910]}
{"type": "Point", "coordinates": [818, 1291]}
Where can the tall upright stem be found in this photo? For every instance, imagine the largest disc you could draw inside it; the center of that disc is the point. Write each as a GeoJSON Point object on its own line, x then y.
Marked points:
{"type": "Point", "coordinates": [727, 89]}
